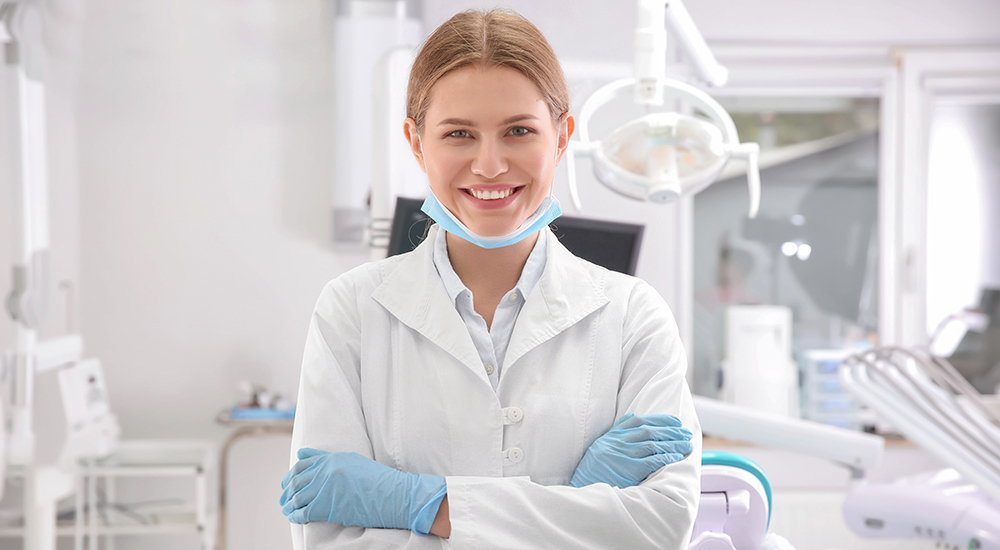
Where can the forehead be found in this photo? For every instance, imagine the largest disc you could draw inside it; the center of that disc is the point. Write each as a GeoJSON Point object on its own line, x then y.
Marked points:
{"type": "Point", "coordinates": [485, 94]}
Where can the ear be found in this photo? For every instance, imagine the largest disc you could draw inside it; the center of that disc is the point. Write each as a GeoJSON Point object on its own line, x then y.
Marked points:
{"type": "Point", "coordinates": [566, 127]}
{"type": "Point", "coordinates": [413, 138]}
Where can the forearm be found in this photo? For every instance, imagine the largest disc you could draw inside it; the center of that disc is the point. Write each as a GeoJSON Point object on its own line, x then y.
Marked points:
{"type": "Point", "coordinates": [513, 512]}
{"type": "Point", "coordinates": [442, 522]}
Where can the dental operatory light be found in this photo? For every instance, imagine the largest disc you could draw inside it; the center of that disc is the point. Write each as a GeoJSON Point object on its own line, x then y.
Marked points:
{"type": "Point", "coordinates": [662, 156]}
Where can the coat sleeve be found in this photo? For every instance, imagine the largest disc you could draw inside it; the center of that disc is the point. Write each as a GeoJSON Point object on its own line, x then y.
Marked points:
{"type": "Point", "coordinates": [658, 513]}
{"type": "Point", "coordinates": [329, 415]}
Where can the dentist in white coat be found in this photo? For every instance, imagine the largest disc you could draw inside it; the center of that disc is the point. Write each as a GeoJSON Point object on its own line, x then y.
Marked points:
{"type": "Point", "coordinates": [490, 389]}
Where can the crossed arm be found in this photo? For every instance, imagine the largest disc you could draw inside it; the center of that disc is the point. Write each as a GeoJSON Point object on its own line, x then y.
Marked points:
{"type": "Point", "coordinates": [353, 490]}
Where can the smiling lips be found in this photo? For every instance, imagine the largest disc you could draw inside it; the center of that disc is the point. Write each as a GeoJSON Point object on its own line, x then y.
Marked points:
{"type": "Point", "coordinates": [492, 194]}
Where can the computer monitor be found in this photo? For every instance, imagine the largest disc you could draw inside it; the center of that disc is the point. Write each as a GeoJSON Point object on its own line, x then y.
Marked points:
{"type": "Point", "coordinates": [613, 245]}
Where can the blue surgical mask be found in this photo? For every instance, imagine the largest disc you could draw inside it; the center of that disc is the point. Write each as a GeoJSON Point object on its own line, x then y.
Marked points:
{"type": "Point", "coordinates": [546, 213]}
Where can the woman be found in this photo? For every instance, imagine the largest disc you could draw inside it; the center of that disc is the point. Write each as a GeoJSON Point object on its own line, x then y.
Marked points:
{"type": "Point", "coordinates": [467, 393]}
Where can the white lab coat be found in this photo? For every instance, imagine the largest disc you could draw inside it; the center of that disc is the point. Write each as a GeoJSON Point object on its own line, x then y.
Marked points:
{"type": "Point", "coordinates": [391, 372]}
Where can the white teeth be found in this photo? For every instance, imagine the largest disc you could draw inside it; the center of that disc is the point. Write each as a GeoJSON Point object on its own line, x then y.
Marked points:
{"type": "Point", "coordinates": [491, 195]}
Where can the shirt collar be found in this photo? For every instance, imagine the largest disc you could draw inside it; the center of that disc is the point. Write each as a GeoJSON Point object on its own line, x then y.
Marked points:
{"type": "Point", "coordinates": [454, 286]}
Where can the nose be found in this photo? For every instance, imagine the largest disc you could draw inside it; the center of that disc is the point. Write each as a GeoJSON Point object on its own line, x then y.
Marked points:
{"type": "Point", "coordinates": [490, 160]}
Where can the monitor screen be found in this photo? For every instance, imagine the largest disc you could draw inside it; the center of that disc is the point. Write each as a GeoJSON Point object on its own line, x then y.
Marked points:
{"type": "Point", "coordinates": [613, 245]}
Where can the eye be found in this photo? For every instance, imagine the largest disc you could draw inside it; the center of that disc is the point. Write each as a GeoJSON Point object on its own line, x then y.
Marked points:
{"type": "Point", "coordinates": [520, 131]}
{"type": "Point", "coordinates": [458, 134]}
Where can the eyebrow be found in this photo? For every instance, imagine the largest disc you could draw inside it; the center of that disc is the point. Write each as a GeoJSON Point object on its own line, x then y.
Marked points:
{"type": "Point", "coordinates": [467, 122]}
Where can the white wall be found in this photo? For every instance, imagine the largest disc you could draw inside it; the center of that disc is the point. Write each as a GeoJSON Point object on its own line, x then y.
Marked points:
{"type": "Point", "coordinates": [602, 29]}
{"type": "Point", "coordinates": [201, 172]}
{"type": "Point", "coordinates": [205, 138]}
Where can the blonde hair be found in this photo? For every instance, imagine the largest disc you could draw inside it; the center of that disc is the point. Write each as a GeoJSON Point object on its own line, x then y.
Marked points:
{"type": "Point", "coordinates": [489, 38]}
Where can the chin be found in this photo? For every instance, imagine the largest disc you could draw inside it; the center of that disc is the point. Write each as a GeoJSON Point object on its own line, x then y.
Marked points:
{"type": "Point", "coordinates": [493, 232]}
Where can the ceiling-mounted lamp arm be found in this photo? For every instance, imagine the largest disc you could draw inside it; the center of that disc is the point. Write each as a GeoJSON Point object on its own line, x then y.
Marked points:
{"type": "Point", "coordinates": [681, 26]}
{"type": "Point", "coordinates": [653, 19]}
{"type": "Point", "coordinates": [650, 57]}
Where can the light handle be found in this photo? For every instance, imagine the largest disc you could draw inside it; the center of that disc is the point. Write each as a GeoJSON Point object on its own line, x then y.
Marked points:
{"type": "Point", "coordinates": [751, 152]}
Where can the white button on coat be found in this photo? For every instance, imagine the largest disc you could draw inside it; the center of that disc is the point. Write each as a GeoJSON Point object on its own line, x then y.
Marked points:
{"type": "Point", "coordinates": [513, 415]}
{"type": "Point", "coordinates": [515, 455]}
{"type": "Point", "coordinates": [390, 372]}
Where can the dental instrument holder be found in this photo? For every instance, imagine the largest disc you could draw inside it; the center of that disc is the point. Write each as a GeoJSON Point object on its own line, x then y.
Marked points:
{"type": "Point", "coordinates": [929, 402]}
{"type": "Point", "coordinates": [920, 395]}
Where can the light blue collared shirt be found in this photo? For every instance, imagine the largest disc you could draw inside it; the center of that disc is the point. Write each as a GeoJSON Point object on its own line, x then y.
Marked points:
{"type": "Point", "coordinates": [492, 342]}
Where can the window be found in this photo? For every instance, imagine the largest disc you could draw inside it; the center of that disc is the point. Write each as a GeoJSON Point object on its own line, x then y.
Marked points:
{"type": "Point", "coordinates": [813, 247]}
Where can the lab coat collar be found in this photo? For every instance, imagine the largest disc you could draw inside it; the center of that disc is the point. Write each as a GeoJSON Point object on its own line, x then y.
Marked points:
{"type": "Point", "coordinates": [569, 290]}
{"type": "Point", "coordinates": [414, 293]}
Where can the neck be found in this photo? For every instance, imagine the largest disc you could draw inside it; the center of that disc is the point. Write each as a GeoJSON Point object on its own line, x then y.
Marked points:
{"type": "Point", "coordinates": [489, 271]}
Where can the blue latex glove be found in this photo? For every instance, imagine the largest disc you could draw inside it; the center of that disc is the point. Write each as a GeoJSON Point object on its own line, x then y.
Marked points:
{"type": "Point", "coordinates": [633, 448]}
{"type": "Point", "coordinates": [350, 489]}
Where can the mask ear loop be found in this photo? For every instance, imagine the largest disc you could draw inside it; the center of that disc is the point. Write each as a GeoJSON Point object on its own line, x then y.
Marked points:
{"type": "Point", "coordinates": [574, 195]}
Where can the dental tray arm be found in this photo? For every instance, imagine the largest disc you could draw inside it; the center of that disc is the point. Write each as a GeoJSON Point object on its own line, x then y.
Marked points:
{"type": "Point", "coordinates": [856, 451]}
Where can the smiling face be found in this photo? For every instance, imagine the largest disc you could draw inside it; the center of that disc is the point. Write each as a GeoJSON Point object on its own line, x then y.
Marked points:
{"type": "Point", "coordinates": [489, 146]}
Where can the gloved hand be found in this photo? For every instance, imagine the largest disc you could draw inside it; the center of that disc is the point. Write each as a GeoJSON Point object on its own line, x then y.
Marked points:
{"type": "Point", "coordinates": [633, 448]}
{"type": "Point", "coordinates": [350, 489]}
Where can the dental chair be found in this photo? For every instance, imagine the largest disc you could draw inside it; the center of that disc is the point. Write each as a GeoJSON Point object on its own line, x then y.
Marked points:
{"type": "Point", "coordinates": [735, 508]}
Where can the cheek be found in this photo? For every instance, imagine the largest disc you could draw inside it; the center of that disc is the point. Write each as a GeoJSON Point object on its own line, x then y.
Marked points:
{"type": "Point", "coordinates": [441, 167]}
{"type": "Point", "coordinates": [540, 164]}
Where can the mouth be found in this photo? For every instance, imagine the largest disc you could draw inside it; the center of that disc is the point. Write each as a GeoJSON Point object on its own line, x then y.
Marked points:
{"type": "Point", "coordinates": [492, 194]}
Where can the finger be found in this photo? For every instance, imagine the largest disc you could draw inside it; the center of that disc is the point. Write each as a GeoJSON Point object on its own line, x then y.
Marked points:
{"type": "Point", "coordinates": [298, 468]}
{"type": "Point", "coordinates": [633, 421]}
{"type": "Point", "coordinates": [291, 506]}
{"type": "Point", "coordinates": [307, 463]}
{"type": "Point", "coordinates": [306, 452]}
{"type": "Point", "coordinates": [299, 499]}
{"type": "Point", "coordinates": [655, 433]}
{"type": "Point", "coordinates": [666, 420]}
{"type": "Point", "coordinates": [655, 462]}
{"type": "Point", "coordinates": [659, 433]}
{"type": "Point", "coordinates": [625, 418]}
{"type": "Point", "coordinates": [298, 516]}
{"type": "Point", "coordinates": [649, 448]}
{"type": "Point", "coordinates": [286, 495]}
{"type": "Point", "coordinates": [295, 485]}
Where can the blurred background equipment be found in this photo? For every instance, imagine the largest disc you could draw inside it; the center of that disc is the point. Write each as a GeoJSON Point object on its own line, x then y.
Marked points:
{"type": "Point", "coordinates": [373, 45]}
{"type": "Point", "coordinates": [758, 371]}
{"type": "Point", "coordinates": [935, 407]}
{"type": "Point", "coordinates": [970, 341]}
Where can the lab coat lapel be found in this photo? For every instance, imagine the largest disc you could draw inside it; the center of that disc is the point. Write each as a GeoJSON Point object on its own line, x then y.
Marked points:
{"type": "Point", "coordinates": [567, 292]}
{"type": "Point", "coordinates": [414, 294]}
